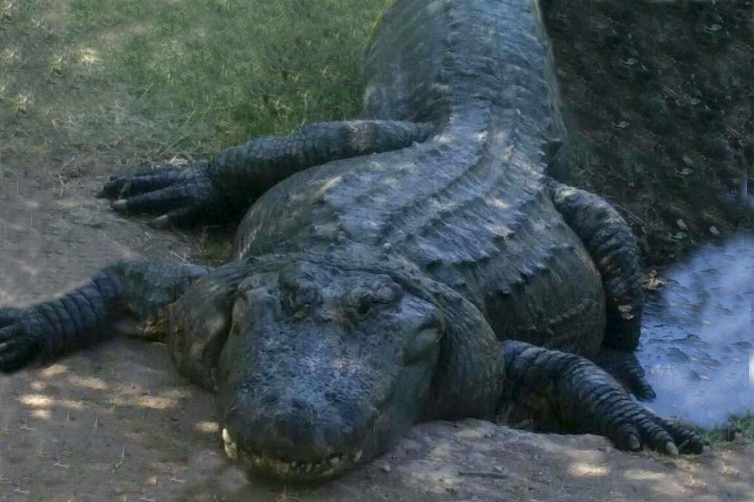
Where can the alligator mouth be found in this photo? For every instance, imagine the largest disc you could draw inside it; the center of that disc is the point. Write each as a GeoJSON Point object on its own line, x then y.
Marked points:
{"type": "Point", "coordinates": [290, 469]}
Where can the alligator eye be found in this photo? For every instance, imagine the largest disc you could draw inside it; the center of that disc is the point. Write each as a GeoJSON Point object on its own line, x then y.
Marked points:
{"type": "Point", "coordinates": [364, 305]}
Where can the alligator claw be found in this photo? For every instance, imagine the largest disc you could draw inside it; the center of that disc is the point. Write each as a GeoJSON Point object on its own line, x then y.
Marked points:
{"type": "Point", "coordinates": [629, 425]}
{"type": "Point", "coordinates": [178, 195]}
{"type": "Point", "coordinates": [591, 400]}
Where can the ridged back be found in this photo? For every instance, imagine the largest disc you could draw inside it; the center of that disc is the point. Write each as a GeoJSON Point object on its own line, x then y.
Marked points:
{"type": "Point", "coordinates": [470, 206]}
{"type": "Point", "coordinates": [428, 56]}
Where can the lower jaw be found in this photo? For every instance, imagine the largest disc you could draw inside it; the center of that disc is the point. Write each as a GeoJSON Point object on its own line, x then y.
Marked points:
{"type": "Point", "coordinates": [277, 469]}
{"type": "Point", "coordinates": [297, 471]}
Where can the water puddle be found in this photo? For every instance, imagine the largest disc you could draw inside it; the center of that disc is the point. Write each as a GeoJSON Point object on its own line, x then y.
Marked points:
{"type": "Point", "coordinates": [698, 334]}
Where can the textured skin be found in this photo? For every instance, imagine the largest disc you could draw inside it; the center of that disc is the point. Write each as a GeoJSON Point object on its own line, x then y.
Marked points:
{"type": "Point", "coordinates": [614, 250]}
{"type": "Point", "coordinates": [601, 405]}
{"type": "Point", "coordinates": [437, 278]}
{"type": "Point", "coordinates": [79, 318]}
{"type": "Point", "coordinates": [225, 186]}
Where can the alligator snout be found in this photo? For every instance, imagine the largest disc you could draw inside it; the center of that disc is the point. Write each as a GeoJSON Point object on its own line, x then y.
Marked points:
{"type": "Point", "coordinates": [298, 470]}
{"type": "Point", "coordinates": [296, 433]}
{"type": "Point", "coordinates": [315, 379]}
{"type": "Point", "coordinates": [298, 399]}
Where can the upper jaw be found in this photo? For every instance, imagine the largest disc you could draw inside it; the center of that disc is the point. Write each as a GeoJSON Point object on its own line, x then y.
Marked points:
{"type": "Point", "coordinates": [296, 470]}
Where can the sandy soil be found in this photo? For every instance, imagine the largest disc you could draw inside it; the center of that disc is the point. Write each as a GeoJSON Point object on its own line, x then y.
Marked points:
{"type": "Point", "coordinates": [117, 422]}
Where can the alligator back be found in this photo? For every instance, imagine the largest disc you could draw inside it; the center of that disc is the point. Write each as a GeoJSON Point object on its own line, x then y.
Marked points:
{"type": "Point", "coordinates": [469, 206]}
{"type": "Point", "coordinates": [426, 56]}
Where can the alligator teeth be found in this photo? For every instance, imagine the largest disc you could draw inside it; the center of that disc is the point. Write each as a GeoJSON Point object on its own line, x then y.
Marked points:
{"type": "Point", "coordinates": [231, 450]}
{"type": "Point", "coordinates": [325, 467]}
{"type": "Point", "coordinates": [226, 436]}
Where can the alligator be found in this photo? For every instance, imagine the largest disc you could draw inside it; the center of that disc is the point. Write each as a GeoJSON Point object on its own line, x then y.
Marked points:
{"type": "Point", "coordinates": [415, 264]}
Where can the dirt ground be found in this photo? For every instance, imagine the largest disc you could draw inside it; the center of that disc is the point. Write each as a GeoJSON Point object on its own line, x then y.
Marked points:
{"type": "Point", "coordinates": [117, 422]}
{"type": "Point", "coordinates": [657, 101]}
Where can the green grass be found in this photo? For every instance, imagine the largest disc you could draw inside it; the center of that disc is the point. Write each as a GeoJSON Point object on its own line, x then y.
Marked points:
{"type": "Point", "coordinates": [741, 424]}
{"type": "Point", "coordinates": [85, 84]}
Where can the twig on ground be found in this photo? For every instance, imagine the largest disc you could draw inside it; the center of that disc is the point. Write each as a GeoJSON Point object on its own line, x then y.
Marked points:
{"type": "Point", "coordinates": [483, 474]}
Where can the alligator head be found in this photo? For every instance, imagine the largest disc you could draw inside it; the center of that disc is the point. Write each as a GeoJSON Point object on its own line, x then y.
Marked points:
{"type": "Point", "coordinates": [323, 367]}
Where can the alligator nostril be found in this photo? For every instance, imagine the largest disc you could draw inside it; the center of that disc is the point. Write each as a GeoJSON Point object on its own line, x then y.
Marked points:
{"type": "Point", "coordinates": [270, 400]}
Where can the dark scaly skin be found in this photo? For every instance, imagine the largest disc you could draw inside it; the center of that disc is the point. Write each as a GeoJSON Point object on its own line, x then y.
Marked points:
{"type": "Point", "coordinates": [602, 404]}
{"type": "Point", "coordinates": [224, 187]}
{"type": "Point", "coordinates": [613, 248]}
{"type": "Point", "coordinates": [79, 318]}
{"type": "Point", "coordinates": [427, 271]}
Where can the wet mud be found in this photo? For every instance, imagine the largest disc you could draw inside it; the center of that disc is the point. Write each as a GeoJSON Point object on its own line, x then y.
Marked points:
{"type": "Point", "coordinates": [698, 334]}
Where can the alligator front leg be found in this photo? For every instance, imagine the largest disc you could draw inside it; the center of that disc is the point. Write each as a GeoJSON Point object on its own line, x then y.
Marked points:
{"type": "Point", "coordinates": [225, 187]}
{"type": "Point", "coordinates": [615, 251]}
{"type": "Point", "coordinates": [85, 315]}
{"type": "Point", "coordinates": [575, 395]}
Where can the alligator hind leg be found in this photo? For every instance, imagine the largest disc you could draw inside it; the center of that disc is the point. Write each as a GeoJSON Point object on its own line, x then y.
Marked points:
{"type": "Point", "coordinates": [226, 185]}
{"type": "Point", "coordinates": [614, 250]}
{"type": "Point", "coordinates": [572, 394]}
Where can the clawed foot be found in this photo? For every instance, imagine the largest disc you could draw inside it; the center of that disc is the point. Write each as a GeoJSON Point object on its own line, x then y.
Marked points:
{"type": "Point", "coordinates": [634, 427]}
{"type": "Point", "coordinates": [18, 345]}
{"type": "Point", "coordinates": [595, 402]}
{"type": "Point", "coordinates": [180, 195]}
{"type": "Point", "coordinates": [584, 398]}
